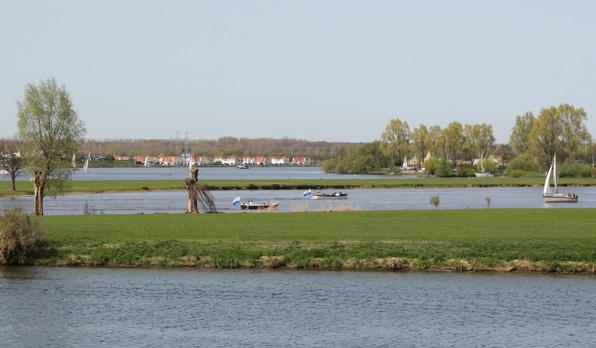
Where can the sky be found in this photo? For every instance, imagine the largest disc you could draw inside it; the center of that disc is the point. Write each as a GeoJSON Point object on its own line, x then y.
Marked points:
{"type": "Point", "coordinates": [334, 70]}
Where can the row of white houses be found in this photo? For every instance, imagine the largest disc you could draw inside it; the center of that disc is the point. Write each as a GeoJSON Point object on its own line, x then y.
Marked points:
{"type": "Point", "coordinates": [223, 160]}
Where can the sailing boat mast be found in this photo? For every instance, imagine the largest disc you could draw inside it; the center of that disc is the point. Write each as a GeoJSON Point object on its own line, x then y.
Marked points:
{"type": "Point", "coordinates": [555, 173]}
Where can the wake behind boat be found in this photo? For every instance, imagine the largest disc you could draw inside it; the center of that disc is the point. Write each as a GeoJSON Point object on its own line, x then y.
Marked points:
{"type": "Point", "coordinates": [556, 197]}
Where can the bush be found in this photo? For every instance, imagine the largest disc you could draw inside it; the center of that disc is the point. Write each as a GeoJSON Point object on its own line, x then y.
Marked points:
{"type": "Point", "coordinates": [523, 162]}
{"type": "Point", "coordinates": [575, 170]}
{"type": "Point", "coordinates": [464, 170]}
{"type": "Point", "coordinates": [519, 173]}
{"type": "Point", "coordinates": [489, 166]}
{"type": "Point", "coordinates": [21, 237]}
{"type": "Point", "coordinates": [439, 167]}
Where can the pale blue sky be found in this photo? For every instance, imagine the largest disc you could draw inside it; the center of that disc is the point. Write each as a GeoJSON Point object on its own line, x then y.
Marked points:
{"type": "Point", "coordinates": [318, 70]}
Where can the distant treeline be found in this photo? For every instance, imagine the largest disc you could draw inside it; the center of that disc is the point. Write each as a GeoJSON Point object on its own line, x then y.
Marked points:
{"type": "Point", "coordinates": [454, 149]}
{"type": "Point", "coordinates": [226, 146]}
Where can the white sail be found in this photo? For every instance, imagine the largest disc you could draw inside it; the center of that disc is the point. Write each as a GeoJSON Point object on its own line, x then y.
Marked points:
{"type": "Point", "coordinates": [86, 166]}
{"type": "Point", "coordinates": [555, 173]}
{"type": "Point", "coordinates": [74, 162]}
{"type": "Point", "coordinates": [190, 163]}
{"type": "Point", "coordinates": [405, 165]}
{"type": "Point", "coordinates": [547, 182]}
{"type": "Point", "coordinates": [146, 161]}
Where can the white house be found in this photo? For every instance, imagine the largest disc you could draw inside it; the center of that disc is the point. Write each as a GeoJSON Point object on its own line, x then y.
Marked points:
{"type": "Point", "coordinates": [301, 161]}
{"type": "Point", "coordinates": [279, 161]}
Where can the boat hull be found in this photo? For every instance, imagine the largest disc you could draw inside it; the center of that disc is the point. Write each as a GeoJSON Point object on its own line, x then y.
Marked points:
{"type": "Point", "coordinates": [561, 198]}
{"type": "Point", "coordinates": [483, 175]}
{"type": "Point", "coordinates": [257, 206]}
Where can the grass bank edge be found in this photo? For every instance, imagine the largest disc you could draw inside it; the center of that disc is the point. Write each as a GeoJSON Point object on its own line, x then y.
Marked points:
{"type": "Point", "coordinates": [537, 245]}
{"type": "Point", "coordinates": [101, 186]}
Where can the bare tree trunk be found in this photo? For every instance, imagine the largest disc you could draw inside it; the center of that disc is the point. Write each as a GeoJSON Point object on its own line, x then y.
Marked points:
{"type": "Point", "coordinates": [191, 186]}
{"type": "Point", "coordinates": [13, 176]}
{"type": "Point", "coordinates": [39, 187]}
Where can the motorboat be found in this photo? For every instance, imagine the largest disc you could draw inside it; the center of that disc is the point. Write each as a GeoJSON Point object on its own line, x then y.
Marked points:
{"type": "Point", "coordinates": [251, 205]}
{"type": "Point", "coordinates": [556, 197]}
{"type": "Point", "coordinates": [242, 166]}
{"type": "Point", "coordinates": [334, 195]}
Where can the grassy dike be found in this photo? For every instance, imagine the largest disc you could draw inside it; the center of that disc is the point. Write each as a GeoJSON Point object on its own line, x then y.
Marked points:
{"type": "Point", "coordinates": [526, 240]}
{"type": "Point", "coordinates": [99, 186]}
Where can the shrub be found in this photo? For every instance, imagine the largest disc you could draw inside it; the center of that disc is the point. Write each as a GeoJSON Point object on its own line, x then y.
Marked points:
{"type": "Point", "coordinates": [575, 170]}
{"type": "Point", "coordinates": [464, 170]}
{"type": "Point", "coordinates": [489, 166]}
{"type": "Point", "coordinates": [523, 162]}
{"type": "Point", "coordinates": [435, 200]}
{"type": "Point", "coordinates": [21, 237]}
{"type": "Point", "coordinates": [439, 167]}
{"type": "Point", "coordinates": [519, 173]}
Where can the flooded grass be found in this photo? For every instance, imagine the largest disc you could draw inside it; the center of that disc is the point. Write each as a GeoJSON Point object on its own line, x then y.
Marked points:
{"type": "Point", "coordinates": [554, 240]}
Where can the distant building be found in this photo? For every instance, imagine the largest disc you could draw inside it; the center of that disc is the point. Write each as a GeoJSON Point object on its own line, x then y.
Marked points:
{"type": "Point", "coordinates": [279, 161]}
{"type": "Point", "coordinates": [248, 160]}
{"type": "Point", "coordinates": [301, 161]}
{"type": "Point", "coordinates": [123, 158]}
{"type": "Point", "coordinates": [260, 161]}
{"type": "Point", "coordinates": [200, 160]}
{"type": "Point", "coordinates": [171, 161]}
{"type": "Point", "coordinates": [228, 161]}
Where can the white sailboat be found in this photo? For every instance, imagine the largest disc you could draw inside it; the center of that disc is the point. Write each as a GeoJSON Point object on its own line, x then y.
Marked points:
{"type": "Point", "coordinates": [556, 197]}
{"type": "Point", "coordinates": [405, 165]}
{"type": "Point", "coordinates": [146, 164]}
{"type": "Point", "coordinates": [73, 164]}
{"type": "Point", "coordinates": [86, 165]}
{"type": "Point", "coordinates": [482, 173]}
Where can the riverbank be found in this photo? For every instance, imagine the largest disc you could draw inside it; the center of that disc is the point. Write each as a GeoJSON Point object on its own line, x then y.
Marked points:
{"type": "Point", "coordinates": [501, 240]}
{"type": "Point", "coordinates": [101, 186]}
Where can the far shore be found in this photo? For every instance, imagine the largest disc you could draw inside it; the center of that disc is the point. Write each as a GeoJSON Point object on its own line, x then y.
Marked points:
{"type": "Point", "coordinates": [105, 186]}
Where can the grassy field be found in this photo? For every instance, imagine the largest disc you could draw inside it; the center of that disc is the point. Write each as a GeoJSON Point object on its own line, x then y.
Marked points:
{"type": "Point", "coordinates": [25, 187]}
{"type": "Point", "coordinates": [562, 240]}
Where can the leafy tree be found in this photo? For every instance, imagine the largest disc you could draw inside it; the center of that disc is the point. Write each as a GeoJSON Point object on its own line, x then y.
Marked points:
{"type": "Point", "coordinates": [471, 145]}
{"type": "Point", "coordinates": [438, 146]}
{"type": "Point", "coordinates": [453, 140]}
{"type": "Point", "coordinates": [422, 142]}
{"type": "Point", "coordinates": [396, 139]}
{"type": "Point", "coordinates": [10, 159]}
{"type": "Point", "coordinates": [486, 142]}
{"type": "Point", "coordinates": [573, 130]}
{"type": "Point", "coordinates": [520, 134]}
{"type": "Point", "coordinates": [545, 137]}
{"type": "Point", "coordinates": [51, 131]}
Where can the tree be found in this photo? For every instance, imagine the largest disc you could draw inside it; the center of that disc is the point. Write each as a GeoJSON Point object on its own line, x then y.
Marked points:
{"type": "Point", "coordinates": [545, 137]}
{"type": "Point", "coordinates": [10, 159]}
{"type": "Point", "coordinates": [437, 138]}
{"type": "Point", "coordinates": [486, 140]}
{"type": "Point", "coordinates": [453, 140]}
{"type": "Point", "coordinates": [396, 139]}
{"type": "Point", "coordinates": [471, 145]}
{"type": "Point", "coordinates": [573, 130]}
{"type": "Point", "coordinates": [198, 193]}
{"type": "Point", "coordinates": [520, 134]}
{"type": "Point", "coordinates": [51, 131]}
{"type": "Point", "coordinates": [422, 142]}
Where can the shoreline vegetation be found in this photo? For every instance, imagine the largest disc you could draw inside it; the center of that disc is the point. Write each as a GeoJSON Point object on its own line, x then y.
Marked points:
{"type": "Point", "coordinates": [483, 240]}
{"type": "Point", "coordinates": [105, 186]}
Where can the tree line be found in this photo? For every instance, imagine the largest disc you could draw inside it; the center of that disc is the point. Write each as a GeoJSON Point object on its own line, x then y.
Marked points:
{"type": "Point", "coordinates": [534, 139]}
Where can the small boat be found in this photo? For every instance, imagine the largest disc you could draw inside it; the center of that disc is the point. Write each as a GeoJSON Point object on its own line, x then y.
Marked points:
{"type": "Point", "coordinates": [482, 173]}
{"type": "Point", "coordinates": [242, 166]}
{"type": "Point", "coordinates": [556, 197]}
{"type": "Point", "coordinates": [334, 195]}
{"type": "Point", "coordinates": [86, 166]}
{"type": "Point", "coordinates": [250, 205]}
{"type": "Point", "coordinates": [4, 172]}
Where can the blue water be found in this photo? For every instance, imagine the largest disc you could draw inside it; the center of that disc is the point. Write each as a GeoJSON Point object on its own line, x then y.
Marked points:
{"type": "Point", "coordinates": [63, 307]}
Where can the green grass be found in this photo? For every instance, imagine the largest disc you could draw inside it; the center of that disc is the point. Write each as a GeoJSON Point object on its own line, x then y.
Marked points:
{"type": "Point", "coordinates": [486, 239]}
{"type": "Point", "coordinates": [26, 187]}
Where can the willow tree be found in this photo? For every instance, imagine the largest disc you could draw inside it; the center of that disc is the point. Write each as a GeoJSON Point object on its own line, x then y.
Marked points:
{"type": "Point", "coordinates": [197, 194]}
{"type": "Point", "coordinates": [51, 131]}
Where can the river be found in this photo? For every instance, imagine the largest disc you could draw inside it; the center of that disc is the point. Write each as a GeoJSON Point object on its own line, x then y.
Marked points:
{"type": "Point", "coordinates": [207, 173]}
{"type": "Point", "coordinates": [188, 308]}
{"type": "Point", "coordinates": [293, 200]}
